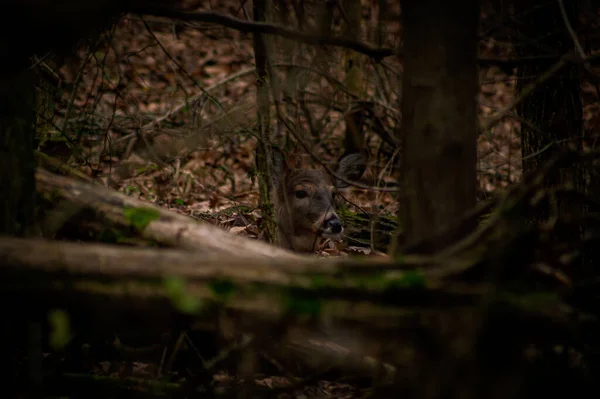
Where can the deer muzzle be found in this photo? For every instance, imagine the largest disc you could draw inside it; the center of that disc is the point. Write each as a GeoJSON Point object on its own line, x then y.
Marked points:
{"type": "Point", "coordinates": [332, 227]}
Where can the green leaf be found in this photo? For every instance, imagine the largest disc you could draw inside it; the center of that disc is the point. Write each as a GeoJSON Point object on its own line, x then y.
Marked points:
{"type": "Point", "coordinates": [179, 201]}
{"type": "Point", "coordinates": [141, 217]}
{"type": "Point", "coordinates": [60, 329]}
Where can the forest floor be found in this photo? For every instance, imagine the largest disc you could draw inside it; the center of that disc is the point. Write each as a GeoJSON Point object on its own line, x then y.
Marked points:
{"type": "Point", "coordinates": [133, 100]}
{"type": "Point", "coordinates": [145, 78]}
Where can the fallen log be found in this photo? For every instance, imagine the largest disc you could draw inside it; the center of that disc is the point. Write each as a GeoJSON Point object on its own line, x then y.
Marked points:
{"type": "Point", "coordinates": [339, 288]}
{"type": "Point", "coordinates": [124, 287]}
{"type": "Point", "coordinates": [250, 284]}
{"type": "Point", "coordinates": [106, 288]}
{"type": "Point", "coordinates": [153, 222]}
{"type": "Point", "coordinates": [359, 231]}
{"type": "Point", "coordinates": [162, 226]}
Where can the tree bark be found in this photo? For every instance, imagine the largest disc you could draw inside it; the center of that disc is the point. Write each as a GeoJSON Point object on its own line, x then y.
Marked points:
{"type": "Point", "coordinates": [439, 120]}
{"type": "Point", "coordinates": [255, 285]}
{"type": "Point", "coordinates": [552, 113]}
{"type": "Point", "coordinates": [354, 138]}
{"type": "Point", "coordinates": [17, 196]}
{"type": "Point", "coordinates": [264, 160]}
{"type": "Point", "coordinates": [17, 163]}
{"type": "Point", "coordinates": [127, 287]}
{"type": "Point", "coordinates": [156, 223]}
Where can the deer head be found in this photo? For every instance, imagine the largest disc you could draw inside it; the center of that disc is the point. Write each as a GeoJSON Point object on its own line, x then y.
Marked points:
{"type": "Point", "coordinates": [305, 200]}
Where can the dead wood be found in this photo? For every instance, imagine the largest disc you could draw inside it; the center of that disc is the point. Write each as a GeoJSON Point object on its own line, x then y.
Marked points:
{"type": "Point", "coordinates": [162, 226]}
{"type": "Point", "coordinates": [175, 230]}
{"type": "Point", "coordinates": [256, 283]}
{"type": "Point", "coordinates": [320, 354]}
{"type": "Point", "coordinates": [261, 293]}
{"type": "Point", "coordinates": [263, 28]}
{"type": "Point", "coordinates": [271, 288]}
{"type": "Point", "coordinates": [123, 287]}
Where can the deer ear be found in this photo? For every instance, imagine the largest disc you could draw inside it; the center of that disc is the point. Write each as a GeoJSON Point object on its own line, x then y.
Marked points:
{"type": "Point", "coordinates": [351, 166]}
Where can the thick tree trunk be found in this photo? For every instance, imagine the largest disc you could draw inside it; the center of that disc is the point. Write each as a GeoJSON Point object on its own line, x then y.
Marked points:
{"type": "Point", "coordinates": [17, 194]}
{"type": "Point", "coordinates": [48, 25]}
{"type": "Point", "coordinates": [439, 125]}
{"type": "Point", "coordinates": [17, 163]}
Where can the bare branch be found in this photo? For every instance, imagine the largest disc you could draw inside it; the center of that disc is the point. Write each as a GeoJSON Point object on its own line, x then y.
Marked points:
{"type": "Point", "coordinates": [377, 53]}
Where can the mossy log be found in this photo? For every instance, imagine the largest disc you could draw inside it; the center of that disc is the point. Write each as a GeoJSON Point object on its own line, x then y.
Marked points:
{"type": "Point", "coordinates": [150, 221]}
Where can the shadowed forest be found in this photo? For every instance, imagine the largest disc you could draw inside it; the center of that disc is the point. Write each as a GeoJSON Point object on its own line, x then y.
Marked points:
{"type": "Point", "coordinates": [300, 199]}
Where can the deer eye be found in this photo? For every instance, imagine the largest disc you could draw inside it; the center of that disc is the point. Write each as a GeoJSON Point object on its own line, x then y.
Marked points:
{"type": "Point", "coordinates": [301, 194]}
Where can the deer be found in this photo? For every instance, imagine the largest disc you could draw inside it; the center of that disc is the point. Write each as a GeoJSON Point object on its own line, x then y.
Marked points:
{"type": "Point", "coordinates": [304, 199]}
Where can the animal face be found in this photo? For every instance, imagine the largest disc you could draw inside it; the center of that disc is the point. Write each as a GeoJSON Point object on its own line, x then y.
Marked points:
{"type": "Point", "coordinates": [305, 201]}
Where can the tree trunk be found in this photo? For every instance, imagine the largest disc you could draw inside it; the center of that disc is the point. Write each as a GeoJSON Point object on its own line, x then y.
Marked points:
{"type": "Point", "coordinates": [354, 78]}
{"type": "Point", "coordinates": [552, 113]}
{"type": "Point", "coordinates": [439, 125]}
{"type": "Point", "coordinates": [264, 161]}
{"type": "Point", "coordinates": [17, 163]}
{"type": "Point", "coordinates": [17, 197]}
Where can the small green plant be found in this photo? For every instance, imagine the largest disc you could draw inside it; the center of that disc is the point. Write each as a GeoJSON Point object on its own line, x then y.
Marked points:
{"type": "Point", "coordinates": [128, 190]}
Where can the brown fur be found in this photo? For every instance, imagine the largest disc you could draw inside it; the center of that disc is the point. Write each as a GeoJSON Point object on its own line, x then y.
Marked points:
{"type": "Point", "coordinates": [304, 222]}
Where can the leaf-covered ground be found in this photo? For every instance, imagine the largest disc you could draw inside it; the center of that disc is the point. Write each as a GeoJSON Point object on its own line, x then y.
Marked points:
{"type": "Point", "coordinates": [165, 111]}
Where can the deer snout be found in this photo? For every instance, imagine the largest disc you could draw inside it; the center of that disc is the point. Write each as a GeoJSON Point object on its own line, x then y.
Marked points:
{"type": "Point", "coordinates": [332, 227]}
{"type": "Point", "coordinates": [335, 226]}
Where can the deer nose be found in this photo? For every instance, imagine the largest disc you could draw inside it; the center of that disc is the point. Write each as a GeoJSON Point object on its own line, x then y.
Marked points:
{"type": "Point", "coordinates": [335, 225]}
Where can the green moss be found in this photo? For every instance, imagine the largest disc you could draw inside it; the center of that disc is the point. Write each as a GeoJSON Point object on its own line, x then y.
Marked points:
{"type": "Point", "coordinates": [535, 300]}
{"type": "Point", "coordinates": [141, 217]}
{"type": "Point", "coordinates": [408, 279]}
{"type": "Point", "coordinates": [318, 281]}
{"type": "Point", "coordinates": [60, 329]}
{"type": "Point", "coordinates": [111, 235]}
{"type": "Point", "coordinates": [301, 304]}
{"type": "Point", "coordinates": [176, 292]}
{"type": "Point", "coordinates": [386, 282]}
{"type": "Point", "coordinates": [360, 232]}
{"type": "Point", "coordinates": [223, 289]}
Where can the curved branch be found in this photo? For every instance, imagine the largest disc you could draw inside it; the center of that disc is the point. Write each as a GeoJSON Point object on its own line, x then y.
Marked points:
{"type": "Point", "coordinates": [377, 53]}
